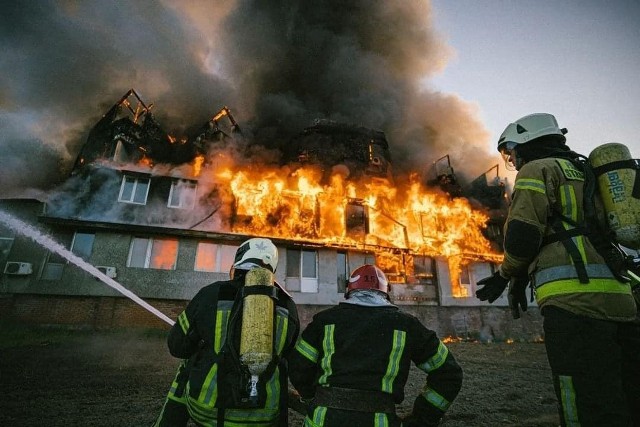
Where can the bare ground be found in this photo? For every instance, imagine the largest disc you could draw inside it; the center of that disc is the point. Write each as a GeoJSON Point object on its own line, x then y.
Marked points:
{"type": "Point", "coordinates": [121, 378]}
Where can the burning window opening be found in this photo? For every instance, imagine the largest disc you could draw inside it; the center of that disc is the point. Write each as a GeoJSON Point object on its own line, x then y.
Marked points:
{"type": "Point", "coordinates": [334, 187]}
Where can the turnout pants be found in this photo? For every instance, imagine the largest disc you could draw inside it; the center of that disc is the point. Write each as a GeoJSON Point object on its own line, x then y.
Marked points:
{"type": "Point", "coordinates": [596, 369]}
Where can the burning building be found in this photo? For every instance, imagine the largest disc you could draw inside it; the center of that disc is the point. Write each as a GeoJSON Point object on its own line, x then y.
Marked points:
{"type": "Point", "coordinates": [165, 214]}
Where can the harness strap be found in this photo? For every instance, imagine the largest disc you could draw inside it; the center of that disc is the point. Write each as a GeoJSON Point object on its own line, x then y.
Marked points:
{"type": "Point", "coordinates": [270, 291]}
{"type": "Point", "coordinates": [355, 400]}
{"type": "Point", "coordinates": [564, 234]}
{"type": "Point", "coordinates": [570, 245]}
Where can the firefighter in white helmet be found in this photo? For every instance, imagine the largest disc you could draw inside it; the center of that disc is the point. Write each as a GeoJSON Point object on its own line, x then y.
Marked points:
{"type": "Point", "coordinates": [550, 242]}
{"type": "Point", "coordinates": [352, 361]}
{"type": "Point", "coordinates": [207, 336]}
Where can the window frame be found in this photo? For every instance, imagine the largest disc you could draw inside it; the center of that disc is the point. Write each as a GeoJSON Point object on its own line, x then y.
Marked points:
{"type": "Point", "coordinates": [136, 181]}
{"type": "Point", "coordinates": [148, 252]}
{"type": "Point", "coordinates": [303, 283]}
{"type": "Point", "coordinates": [75, 239]}
{"type": "Point", "coordinates": [183, 197]}
{"type": "Point", "coordinates": [224, 257]}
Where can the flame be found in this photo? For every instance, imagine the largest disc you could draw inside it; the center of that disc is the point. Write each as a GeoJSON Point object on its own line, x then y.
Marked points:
{"type": "Point", "coordinates": [407, 217]}
{"type": "Point", "coordinates": [394, 220]}
{"type": "Point", "coordinates": [164, 254]}
{"type": "Point", "coordinates": [197, 165]}
{"type": "Point", "coordinates": [146, 161]}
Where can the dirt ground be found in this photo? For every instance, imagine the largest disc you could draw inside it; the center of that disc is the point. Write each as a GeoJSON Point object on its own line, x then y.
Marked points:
{"type": "Point", "coordinates": [120, 379]}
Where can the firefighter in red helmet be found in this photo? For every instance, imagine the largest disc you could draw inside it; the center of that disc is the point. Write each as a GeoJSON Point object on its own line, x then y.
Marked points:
{"type": "Point", "coordinates": [352, 361]}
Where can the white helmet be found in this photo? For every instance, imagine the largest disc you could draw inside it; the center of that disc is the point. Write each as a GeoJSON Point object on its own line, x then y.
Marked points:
{"type": "Point", "coordinates": [524, 130]}
{"type": "Point", "coordinates": [530, 127]}
{"type": "Point", "coordinates": [256, 252]}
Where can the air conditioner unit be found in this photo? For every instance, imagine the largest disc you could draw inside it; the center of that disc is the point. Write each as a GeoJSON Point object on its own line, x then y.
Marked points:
{"type": "Point", "coordinates": [18, 268]}
{"type": "Point", "coordinates": [108, 271]}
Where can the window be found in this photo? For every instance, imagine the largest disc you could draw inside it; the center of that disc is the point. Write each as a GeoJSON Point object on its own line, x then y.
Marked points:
{"type": "Point", "coordinates": [182, 194]}
{"type": "Point", "coordinates": [53, 265]}
{"type": "Point", "coordinates": [52, 271]}
{"type": "Point", "coordinates": [214, 258]}
{"type": "Point", "coordinates": [134, 190]}
{"type": "Point", "coordinates": [153, 253]}
{"type": "Point", "coordinates": [343, 273]}
{"type": "Point", "coordinates": [82, 244]}
{"type": "Point", "coordinates": [302, 270]}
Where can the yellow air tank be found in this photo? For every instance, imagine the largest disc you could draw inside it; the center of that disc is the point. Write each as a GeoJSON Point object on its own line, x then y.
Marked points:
{"type": "Point", "coordinates": [256, 336]}
{"type": "Point", "coordinates": [615, 188]}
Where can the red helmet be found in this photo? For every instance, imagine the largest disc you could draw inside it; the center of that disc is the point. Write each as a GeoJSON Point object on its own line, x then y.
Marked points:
{"type": "Point", "coordinates": [368, 276]}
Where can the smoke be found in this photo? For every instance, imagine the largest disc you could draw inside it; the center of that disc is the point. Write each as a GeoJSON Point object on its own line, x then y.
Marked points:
{"type": "Point", "coordinates": [279, 65]}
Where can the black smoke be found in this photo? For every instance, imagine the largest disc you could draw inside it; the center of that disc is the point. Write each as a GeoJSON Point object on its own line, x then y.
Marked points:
{"type": "Point", "coordinates": [278, 64]}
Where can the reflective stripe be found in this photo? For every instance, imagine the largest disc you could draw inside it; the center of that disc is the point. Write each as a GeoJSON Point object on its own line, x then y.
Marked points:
{"type": "Point", "coordinates": [560, 272]}
{"type": "Point", "coordinates": [318, 415]}
{"type": "Point", "coordinates": [569, 204]}
{"type": "Point", "coordinates": [328, 348]}
{"type": "Point", "coordinates": [222, 317]}
{"type": "Point", "coordinates": [273, 391]}
{"type": "Point", "coordinates": [436, 360]}
{"type": "Point", "coordinates": [209, 391]}
{"type": "Point", "coordinates": [174, 383]}
{"type": "Point", "coordinates": [380, 420]}
{"type": "Point", "coordinates": [572, 286]}
{"type": "Point", "coordinates": [397, 348]}
{"type": "Point", "coordinates": [531, 184]}
{"type": "Point", "coordinates": [282, 327]}
{"type": "Point", "coordinates": [307, 350]}
{"type": "Point", "coordinates": [436, 399]}
{"type": "Point", "coordinates": [568, 397]}
{"type": "Point", "coordinates": [184, 322]}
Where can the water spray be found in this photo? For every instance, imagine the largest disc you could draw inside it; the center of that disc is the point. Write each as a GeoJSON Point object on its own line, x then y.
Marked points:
{"type": "Point", "coordinates": [56, 247]}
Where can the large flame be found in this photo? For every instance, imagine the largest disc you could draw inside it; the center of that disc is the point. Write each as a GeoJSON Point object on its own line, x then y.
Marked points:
{"type": "Point", "coordinates": [408, 217]}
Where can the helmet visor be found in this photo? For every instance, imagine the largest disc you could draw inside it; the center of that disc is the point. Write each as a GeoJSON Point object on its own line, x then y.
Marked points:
{"type": "Point", "coordinates": [508, 153]}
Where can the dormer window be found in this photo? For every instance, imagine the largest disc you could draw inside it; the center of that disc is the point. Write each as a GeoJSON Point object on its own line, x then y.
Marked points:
{"type": "Point", "coordinates": [182, 194]}
{"type": "Point", "coordinates": [134, 190]}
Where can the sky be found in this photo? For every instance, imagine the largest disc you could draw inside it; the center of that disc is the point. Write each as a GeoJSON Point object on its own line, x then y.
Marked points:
{"type": "Point", "coordinates": [576, 59]}
{"type": "Point", "coordinates": [440, 77]}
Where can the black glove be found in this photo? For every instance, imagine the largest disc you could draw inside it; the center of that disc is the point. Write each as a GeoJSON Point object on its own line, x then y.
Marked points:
{"type": "Point", "coordinates": [517, 295]}
{"type": "Point", "coordinates": [492, 287]}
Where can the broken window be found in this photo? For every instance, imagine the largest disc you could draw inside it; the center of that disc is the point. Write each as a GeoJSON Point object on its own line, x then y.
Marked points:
{"type": "Point", "coordinates": [182, 194]}
{"type": "Point", "coordinates": [423, 269]}
{"type": "Point", "coordinates": [134, 190]}
{"type": "Point", "coordinates": [161, 254]}
{"type": "Point", "coordinates": [82, 244]}
{"type": "Point", "coordinates": [214, 258]}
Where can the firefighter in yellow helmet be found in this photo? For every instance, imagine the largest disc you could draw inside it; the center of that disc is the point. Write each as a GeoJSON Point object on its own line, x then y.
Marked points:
{"type": "Point", "coordinates": [592, 341]}
{"type": "Point", "coordinates": [212, 381]}
{"type": "Point", "coordinates": [352, 361]}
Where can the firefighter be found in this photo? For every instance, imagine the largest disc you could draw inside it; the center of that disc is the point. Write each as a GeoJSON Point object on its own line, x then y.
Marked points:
{"type": "Point", "coordinates": [591, 339]}
{"type": "Point", "coordinates": [352, 361]}
{"type": "Point", "coordinates": [207, 335]}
